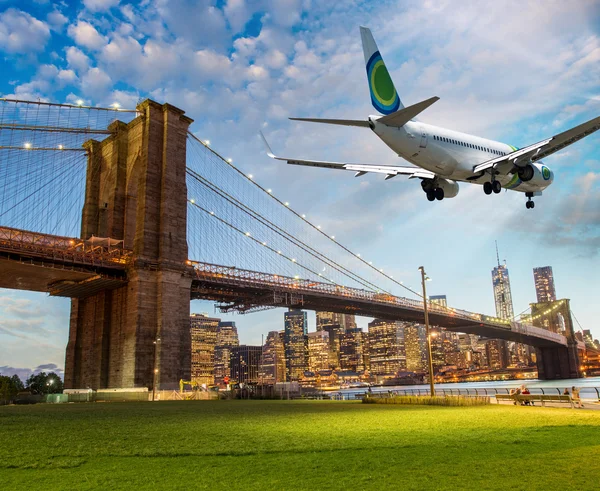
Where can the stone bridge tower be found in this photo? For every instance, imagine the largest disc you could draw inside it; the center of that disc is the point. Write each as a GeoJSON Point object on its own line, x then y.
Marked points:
{"type": "Point", "coordinates": [138, 334]}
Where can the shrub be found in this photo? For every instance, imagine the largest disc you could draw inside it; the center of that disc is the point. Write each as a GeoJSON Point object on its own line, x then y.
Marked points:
{"type": "Point", "coordinates": [429, 401]}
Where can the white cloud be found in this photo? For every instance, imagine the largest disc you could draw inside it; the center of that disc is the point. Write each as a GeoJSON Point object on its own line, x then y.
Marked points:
{"type": "Point", "coordinates": [95, 83]}
{"type": "Point", "coordinates": [77, 59]}
{"type": "Point", "coordinates": [67, 77]}
{"type": "Point", "coordinates": [238, 13]}
{"type": "Point", "coordinates": [56, 20]}
{"type": "Point", "coordinates": [21, 33]}
{"type": "Point", "coordinates": [100, 5]}
{"type": "Point", "coordinates": [86, 35]}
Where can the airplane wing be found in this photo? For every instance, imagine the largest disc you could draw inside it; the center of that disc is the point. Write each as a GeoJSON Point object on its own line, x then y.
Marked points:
{"type": "Point", "coordinates": [537, 151]}
{"type": "Point", "coordinates": [360, 169]}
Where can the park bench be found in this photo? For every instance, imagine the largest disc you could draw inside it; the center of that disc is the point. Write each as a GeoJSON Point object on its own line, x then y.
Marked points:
{"type": "Point", "coordinates": [535, 398]}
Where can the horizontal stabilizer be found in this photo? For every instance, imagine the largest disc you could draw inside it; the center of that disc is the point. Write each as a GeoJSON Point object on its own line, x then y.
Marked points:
{"type": "Point", "coordinates": [343, 122]}
{"type": "Point", "coordinates": [403, 116]}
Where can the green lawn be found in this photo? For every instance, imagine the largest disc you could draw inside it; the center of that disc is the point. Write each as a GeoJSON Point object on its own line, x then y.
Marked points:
{"type": "Point", "coordinates": [297, 445]}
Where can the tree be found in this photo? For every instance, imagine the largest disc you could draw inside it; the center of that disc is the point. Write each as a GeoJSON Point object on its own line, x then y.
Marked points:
{"type": "Point", "coordinates": [45, 383]}
{"type": "Point", "coordinates": [9, 387]}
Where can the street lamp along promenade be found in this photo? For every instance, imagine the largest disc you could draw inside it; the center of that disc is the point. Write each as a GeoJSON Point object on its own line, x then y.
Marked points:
{"type": "Point", "coordinates": [425, 278]}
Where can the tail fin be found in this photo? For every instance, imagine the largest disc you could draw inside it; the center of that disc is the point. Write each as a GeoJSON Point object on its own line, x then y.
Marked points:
{"type": "Point", "coordinates": [383, 93]}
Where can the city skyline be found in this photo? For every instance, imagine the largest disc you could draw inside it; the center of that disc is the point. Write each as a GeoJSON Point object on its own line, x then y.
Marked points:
{"type": "Point", "coordinates": [77, 55]}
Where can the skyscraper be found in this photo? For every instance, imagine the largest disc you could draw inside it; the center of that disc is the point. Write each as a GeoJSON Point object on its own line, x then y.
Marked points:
{"type": "Point", "coordinates": [544, 284]}
{"type": "Point", "coordinates": [227, 338]}
{"type": "Point", "coordinates": [203, 331]}
{"type": "Point", "coordinates": [415, 343]}
{"type": "Point", "coordinates": [296, 329]}
{"type": "Point", "coordinates": [386, 347]}
{"type": "Point", "coordinates": [318, 351]}
{"type": "Point", "coordinates": [497, 351]}
{"type": "Point", "coordinates": [245, 362]}
{"type": "Point", "coordinates": [502, 295]}
{"type": "Point", "coordinates": [353, 350]}
{"type": "Point", "coordinates": [438, 300]}
{"type": "Point", "coordinates": [272, 368]}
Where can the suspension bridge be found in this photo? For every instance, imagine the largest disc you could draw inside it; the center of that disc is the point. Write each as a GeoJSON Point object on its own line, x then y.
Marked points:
{"type": "Point", "coordinates": [131, 215]}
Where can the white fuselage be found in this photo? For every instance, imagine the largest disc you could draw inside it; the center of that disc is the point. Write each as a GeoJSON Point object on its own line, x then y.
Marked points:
{"type": "Point", "coordinates": [453, 155]}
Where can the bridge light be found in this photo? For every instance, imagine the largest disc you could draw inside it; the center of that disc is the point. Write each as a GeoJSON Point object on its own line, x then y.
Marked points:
{"type": "Point", "coordinates": [27, 145]}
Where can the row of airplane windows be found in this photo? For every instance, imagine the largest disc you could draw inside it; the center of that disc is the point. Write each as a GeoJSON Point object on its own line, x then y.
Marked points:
{"type": "Point", "coordinates": [470, 145]}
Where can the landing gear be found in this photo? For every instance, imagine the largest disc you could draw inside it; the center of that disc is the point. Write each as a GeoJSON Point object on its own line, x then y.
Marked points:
{"type": "Point", "coordinates": [432, 190]}
{"type": "Point", "coordinates": [492, 187]}
{"type": "Point", "coordinates": [529, 204]}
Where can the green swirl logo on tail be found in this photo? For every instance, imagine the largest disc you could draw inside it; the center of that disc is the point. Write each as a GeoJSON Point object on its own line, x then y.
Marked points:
{"type": "Point", "coordinates": [383, 93]}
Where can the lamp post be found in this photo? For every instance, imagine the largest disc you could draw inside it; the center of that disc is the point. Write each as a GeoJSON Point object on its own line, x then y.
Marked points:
{"type": "Point", "coordinates": [155, 370]}
{"type": "Point", "coordinates": [424, 278]}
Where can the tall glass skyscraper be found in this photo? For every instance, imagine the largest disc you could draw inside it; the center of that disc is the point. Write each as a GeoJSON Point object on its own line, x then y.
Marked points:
{"type": "Point", "coordinates": [502, 295]}
{"type": "Point", "coordinates": [295, 343]}
{"type": "Point", "coordinates": [544, 284]}
{"type": "Point", "coordinates": [386, 347]}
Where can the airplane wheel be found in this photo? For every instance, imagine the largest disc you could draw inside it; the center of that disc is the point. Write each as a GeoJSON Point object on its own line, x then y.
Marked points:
{"type": "Point", "coordinates": [487, 187]}
{"type": "Point", "coordinates": [431, 195]}
{"type": "Point", "coordinates": [496, 187]}
{"type": "Point", "coordinates": [439, 194]}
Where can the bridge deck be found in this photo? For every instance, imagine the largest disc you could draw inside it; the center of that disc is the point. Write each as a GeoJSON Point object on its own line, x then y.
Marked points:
{"type": "Point", "coordinates": [70, 267]}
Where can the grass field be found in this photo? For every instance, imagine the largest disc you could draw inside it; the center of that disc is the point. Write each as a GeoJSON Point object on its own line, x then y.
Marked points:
{"type": "Point", "coordinates": [297, 445]}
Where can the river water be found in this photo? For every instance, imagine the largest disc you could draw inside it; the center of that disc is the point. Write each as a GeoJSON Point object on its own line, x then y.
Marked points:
{"type": "Point", "coordinates": [588, 387]}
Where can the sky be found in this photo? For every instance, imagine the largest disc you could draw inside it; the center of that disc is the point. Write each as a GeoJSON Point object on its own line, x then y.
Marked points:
{"type": "Point", "coordinates": [512, 71]}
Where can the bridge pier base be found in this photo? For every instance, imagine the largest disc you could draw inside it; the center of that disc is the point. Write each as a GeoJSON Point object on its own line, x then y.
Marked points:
{"type": "Point", "coordinates": [137, 335]}
{"type": "Point", "coordinates": [558, 362]}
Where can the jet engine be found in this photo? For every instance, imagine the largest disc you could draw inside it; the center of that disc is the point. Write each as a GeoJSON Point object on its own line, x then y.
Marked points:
{"type": "Point", "coordinates": [449, 186]}
{"type": "Point", "coordinates": [526, 173]}
{"type": "Point", "coordinates": [536, 174]}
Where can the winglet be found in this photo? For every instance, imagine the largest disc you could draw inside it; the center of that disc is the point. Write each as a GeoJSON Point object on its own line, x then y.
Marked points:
{"type": "Point", "coordinates": [269, 151]}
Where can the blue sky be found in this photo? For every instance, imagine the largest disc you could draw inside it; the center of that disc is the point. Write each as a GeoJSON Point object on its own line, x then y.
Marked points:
{"type": "Point", "coordinates": [236, 67]}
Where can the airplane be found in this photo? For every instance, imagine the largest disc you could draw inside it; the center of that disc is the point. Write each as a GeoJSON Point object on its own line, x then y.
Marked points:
{"type": "Point", "coordinates": [442, 157]}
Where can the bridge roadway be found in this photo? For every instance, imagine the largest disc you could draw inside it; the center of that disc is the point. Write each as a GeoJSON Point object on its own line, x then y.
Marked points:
{"type": "Point", "coordinates": [70, 267]}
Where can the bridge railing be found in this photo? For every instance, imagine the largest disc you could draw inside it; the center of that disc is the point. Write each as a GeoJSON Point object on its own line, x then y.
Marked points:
{"type": "Point", "coordinates": [247, 277]}
{"type": "Point", "coordinates": [64, 249]}
{"type": "Point", "coordinates": [235, 276]}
